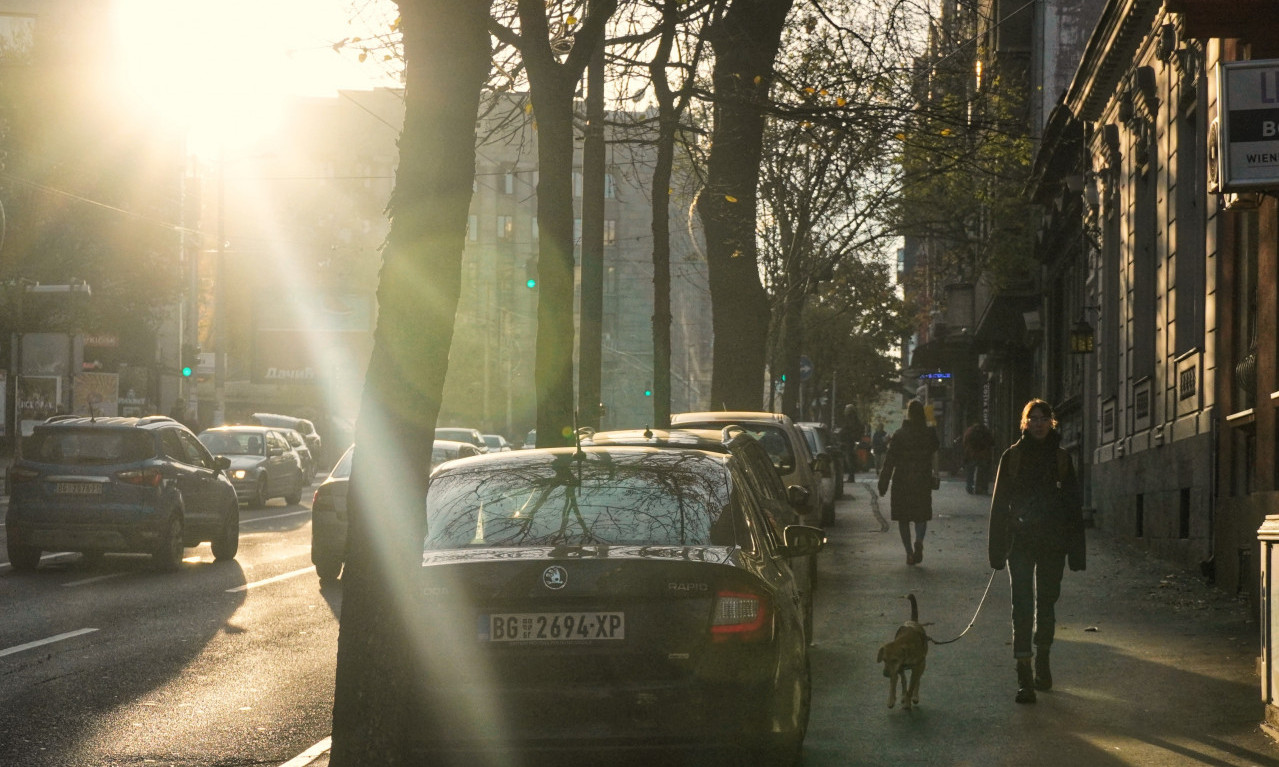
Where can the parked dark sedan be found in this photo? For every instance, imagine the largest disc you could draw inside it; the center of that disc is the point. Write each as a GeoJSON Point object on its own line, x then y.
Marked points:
{"type": "Point", "coordinates": [610, 601]}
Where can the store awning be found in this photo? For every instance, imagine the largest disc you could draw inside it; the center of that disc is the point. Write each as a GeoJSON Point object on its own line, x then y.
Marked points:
{"type": "Point", "coordinates": [1003, 323]}
{"type": "Point", "coordinates": [1248, 19]}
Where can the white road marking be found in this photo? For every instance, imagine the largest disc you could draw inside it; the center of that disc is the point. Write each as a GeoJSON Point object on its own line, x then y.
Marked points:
{"type": "Point", "coordinates": [95, 579]}
{"type": "Point", "coordinates": [275, 516]}
{"type": "Point", "coordinates": [310, 755]}
{"type": "Point", "coordinates": [50, 640]}
{"type": "Point", "coordinates": [283, 577]}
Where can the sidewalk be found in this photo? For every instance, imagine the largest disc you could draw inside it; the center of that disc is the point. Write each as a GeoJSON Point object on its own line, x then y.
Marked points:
{"type": "Point", "coordinates": [1151, 666]}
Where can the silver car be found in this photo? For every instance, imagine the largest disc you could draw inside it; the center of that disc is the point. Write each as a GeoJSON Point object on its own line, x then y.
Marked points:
{"type": "Point", "coordinates": [263, 464]}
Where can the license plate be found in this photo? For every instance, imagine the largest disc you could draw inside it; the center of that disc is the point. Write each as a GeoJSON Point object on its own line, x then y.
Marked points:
{"type": "Point", "coordinates": [77, 488]}
{"type": "Point", "coordinates": [552, 627]}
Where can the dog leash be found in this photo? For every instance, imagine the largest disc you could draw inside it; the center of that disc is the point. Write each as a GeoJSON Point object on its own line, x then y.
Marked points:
{"type": "Point", "coordinates": [972, 622]}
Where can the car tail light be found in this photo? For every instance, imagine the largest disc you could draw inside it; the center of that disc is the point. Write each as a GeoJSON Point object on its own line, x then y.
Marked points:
{"type": "Point", "coordinates": [141, 477]}
{"type": "Point", "coordinates": [19, 474]}
{"type": "Point", "coordinates": [740, 617]}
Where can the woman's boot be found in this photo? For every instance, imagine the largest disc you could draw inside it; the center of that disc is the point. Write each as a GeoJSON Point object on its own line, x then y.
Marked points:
{"type": "Point", "coordinates": [1043, 674]}
{"type": "Point", "coordinates": [1025, 681]}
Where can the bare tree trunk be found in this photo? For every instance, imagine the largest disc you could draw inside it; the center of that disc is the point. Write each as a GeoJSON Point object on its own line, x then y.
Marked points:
{"type": "Point", "coordinates": [552, 85]}
{"type": "Point", "coordinates": [447, 56]}
{"type": "Point", "coordinates": [745, 41]}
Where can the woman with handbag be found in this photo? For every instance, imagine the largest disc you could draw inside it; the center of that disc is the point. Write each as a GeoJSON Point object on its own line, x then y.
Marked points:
{"type": "Point", "coordinates": [1036, 527]}
{"type": "Point", "coordinates": [908, 467]}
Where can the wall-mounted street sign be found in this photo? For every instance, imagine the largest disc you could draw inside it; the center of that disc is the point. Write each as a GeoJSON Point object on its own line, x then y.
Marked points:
{"type": "Point", "coordinates": [935, 376]}
{"type": "Point", "coordinates": [1248, 135]}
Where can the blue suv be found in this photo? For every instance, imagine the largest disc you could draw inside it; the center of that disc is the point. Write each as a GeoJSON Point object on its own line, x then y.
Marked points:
{"type": "Point", "coordinates": [98, 485]}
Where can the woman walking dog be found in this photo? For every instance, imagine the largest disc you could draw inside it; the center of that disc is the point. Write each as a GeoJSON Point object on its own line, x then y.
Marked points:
{"type": "Point", "coordinates": [1036, 527]}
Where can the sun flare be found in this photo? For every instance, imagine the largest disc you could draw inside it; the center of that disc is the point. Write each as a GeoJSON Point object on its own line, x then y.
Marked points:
{"type": "Point", "coordinates": [222, 68]}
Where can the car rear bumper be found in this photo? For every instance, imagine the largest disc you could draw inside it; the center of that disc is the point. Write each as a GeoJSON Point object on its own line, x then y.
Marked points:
{"type": "Point", "coordinates": [85, 537]}
{"type": "Point", "coordinates": [634, 720]}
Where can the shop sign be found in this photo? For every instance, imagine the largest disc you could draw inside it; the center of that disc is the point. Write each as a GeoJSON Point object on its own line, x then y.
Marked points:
{"type": "Point", "coordinates": [1247, 140]}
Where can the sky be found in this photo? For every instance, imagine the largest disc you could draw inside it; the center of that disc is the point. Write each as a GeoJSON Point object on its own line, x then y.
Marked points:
{"type": "Point", "coordinates": [224, 66]}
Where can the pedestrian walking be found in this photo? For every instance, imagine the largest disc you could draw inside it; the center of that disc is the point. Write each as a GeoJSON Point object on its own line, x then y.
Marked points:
{"type": "Point", "coordinates": [1036, 527]}
{"type": "Point", "coordinates": [850, 435]}
{"type": "Point", "coordinates": [908, 467]}
{"type": "Point", "coordinates": [977, 444]}
{"type": "Point", "coordinates": [879, 445]}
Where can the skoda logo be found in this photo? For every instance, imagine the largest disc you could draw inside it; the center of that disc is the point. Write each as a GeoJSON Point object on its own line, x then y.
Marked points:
{"type": "Point", "coordinates": [554, 577]}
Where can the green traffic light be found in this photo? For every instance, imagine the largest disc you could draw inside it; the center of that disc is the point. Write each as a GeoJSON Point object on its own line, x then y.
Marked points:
{"type": "Point", "coordinates": [531, 283]}
{"type": "Point", "coordinates": [648, 392]}
{"type": "Point", "coordinates": [186, 371]}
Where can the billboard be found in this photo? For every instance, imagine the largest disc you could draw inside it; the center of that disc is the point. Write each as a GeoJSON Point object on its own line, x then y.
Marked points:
{"type": "Point", "coordinates": [309, 337]}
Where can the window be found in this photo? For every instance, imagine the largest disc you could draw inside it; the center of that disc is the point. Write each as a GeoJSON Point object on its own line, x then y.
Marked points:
{"type": "Point", "coordinates": [473, 228]}
{"type": "Point", "coordinates": [533, 228]}
{"type": "Point", "coordinates": [610, 189]}
{"type": "Point", "coordinates": [505, 227]}
{"type": "Point", "coordinates": [508, 183]}
{"type": "Point", "coordinates": [610, 231]}
{"type": "Point", "coordinates": [1144, 287]}
{"type": "Point", "coordinates": [577, 232]}
{"type": "Point", "coordinates": [577, 184]}
{"type": "Point", "coordinates": [1189, 267]}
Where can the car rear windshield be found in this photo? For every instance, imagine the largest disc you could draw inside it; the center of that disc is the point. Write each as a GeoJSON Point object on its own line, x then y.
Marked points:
{"type": "Point", "coordinates": [773, 438]}
{"type": "Point", "coordinates": [87, 447]}
{"type": "Point", "coordinates": [658, 499]}
{"type": "Point", "coordinates": [456, 435]}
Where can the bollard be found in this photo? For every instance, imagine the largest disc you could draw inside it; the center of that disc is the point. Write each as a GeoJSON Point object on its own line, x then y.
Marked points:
{"type": "Point", "coordinates": [1268, 537]}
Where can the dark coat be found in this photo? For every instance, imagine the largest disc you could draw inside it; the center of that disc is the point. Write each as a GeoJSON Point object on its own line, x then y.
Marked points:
{"type": "Point", "coordinates": [909, 467]}
{"type": "Point", "coordinates": [1043, 473]}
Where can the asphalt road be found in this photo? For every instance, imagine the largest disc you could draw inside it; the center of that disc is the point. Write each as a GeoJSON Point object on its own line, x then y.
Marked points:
{"type": "Point", "coordinates": [216, 664]}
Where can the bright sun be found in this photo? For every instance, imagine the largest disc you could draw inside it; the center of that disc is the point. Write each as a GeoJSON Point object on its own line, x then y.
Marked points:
{"type": "Point", "coordinates": [222, 68]}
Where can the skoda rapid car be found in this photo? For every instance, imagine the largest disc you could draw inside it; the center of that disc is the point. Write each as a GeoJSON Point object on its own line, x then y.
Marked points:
{"type": "Point", "coordinates": [608, 601]}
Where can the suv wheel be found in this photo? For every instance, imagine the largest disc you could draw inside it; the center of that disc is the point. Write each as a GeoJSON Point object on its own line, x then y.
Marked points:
{"type": "Point", "coordinates": [227, 543]}
{"type": "Point", "coordinates": [23, 558]}
{"type": "Point", "coordinates": [167, 556]}
{"type": "Point", "coordinates": [328, 569]}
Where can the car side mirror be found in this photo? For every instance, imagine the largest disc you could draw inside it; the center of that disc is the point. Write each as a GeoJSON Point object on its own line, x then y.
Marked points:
{"type": "Point", "coordinates": [821, 464]}
{"type": "Point", "coordinates": [274, 451]}
{"type": "Point", "coordinates": [221, 463]}
{"type": "Point", "coordinates": [798, 496]}
{"type": "Point", "coordinates": [802, 540]}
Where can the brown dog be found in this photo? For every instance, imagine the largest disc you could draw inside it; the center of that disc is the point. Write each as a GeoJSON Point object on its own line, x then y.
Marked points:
{"type": "Point", "coordinates": [907, 651]}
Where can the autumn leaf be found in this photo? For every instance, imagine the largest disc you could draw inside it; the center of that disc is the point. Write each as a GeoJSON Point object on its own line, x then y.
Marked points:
{"type": "Point", "coordinates": [737, 253]}
{"type": "Point", "coordinates": [363, 55]}
{"type": "Point", "coordinates": [758, 79]}
{"type": "Point", "coordinates": [571, 20]}
{"type": "Point", "coordinates": [730, 198]}
{"type": "Point", "coordinates": [841, 101]}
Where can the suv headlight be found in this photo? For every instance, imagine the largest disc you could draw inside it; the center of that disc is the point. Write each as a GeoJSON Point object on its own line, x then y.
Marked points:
{"type": "Point", "coordinates": [239, 474]}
